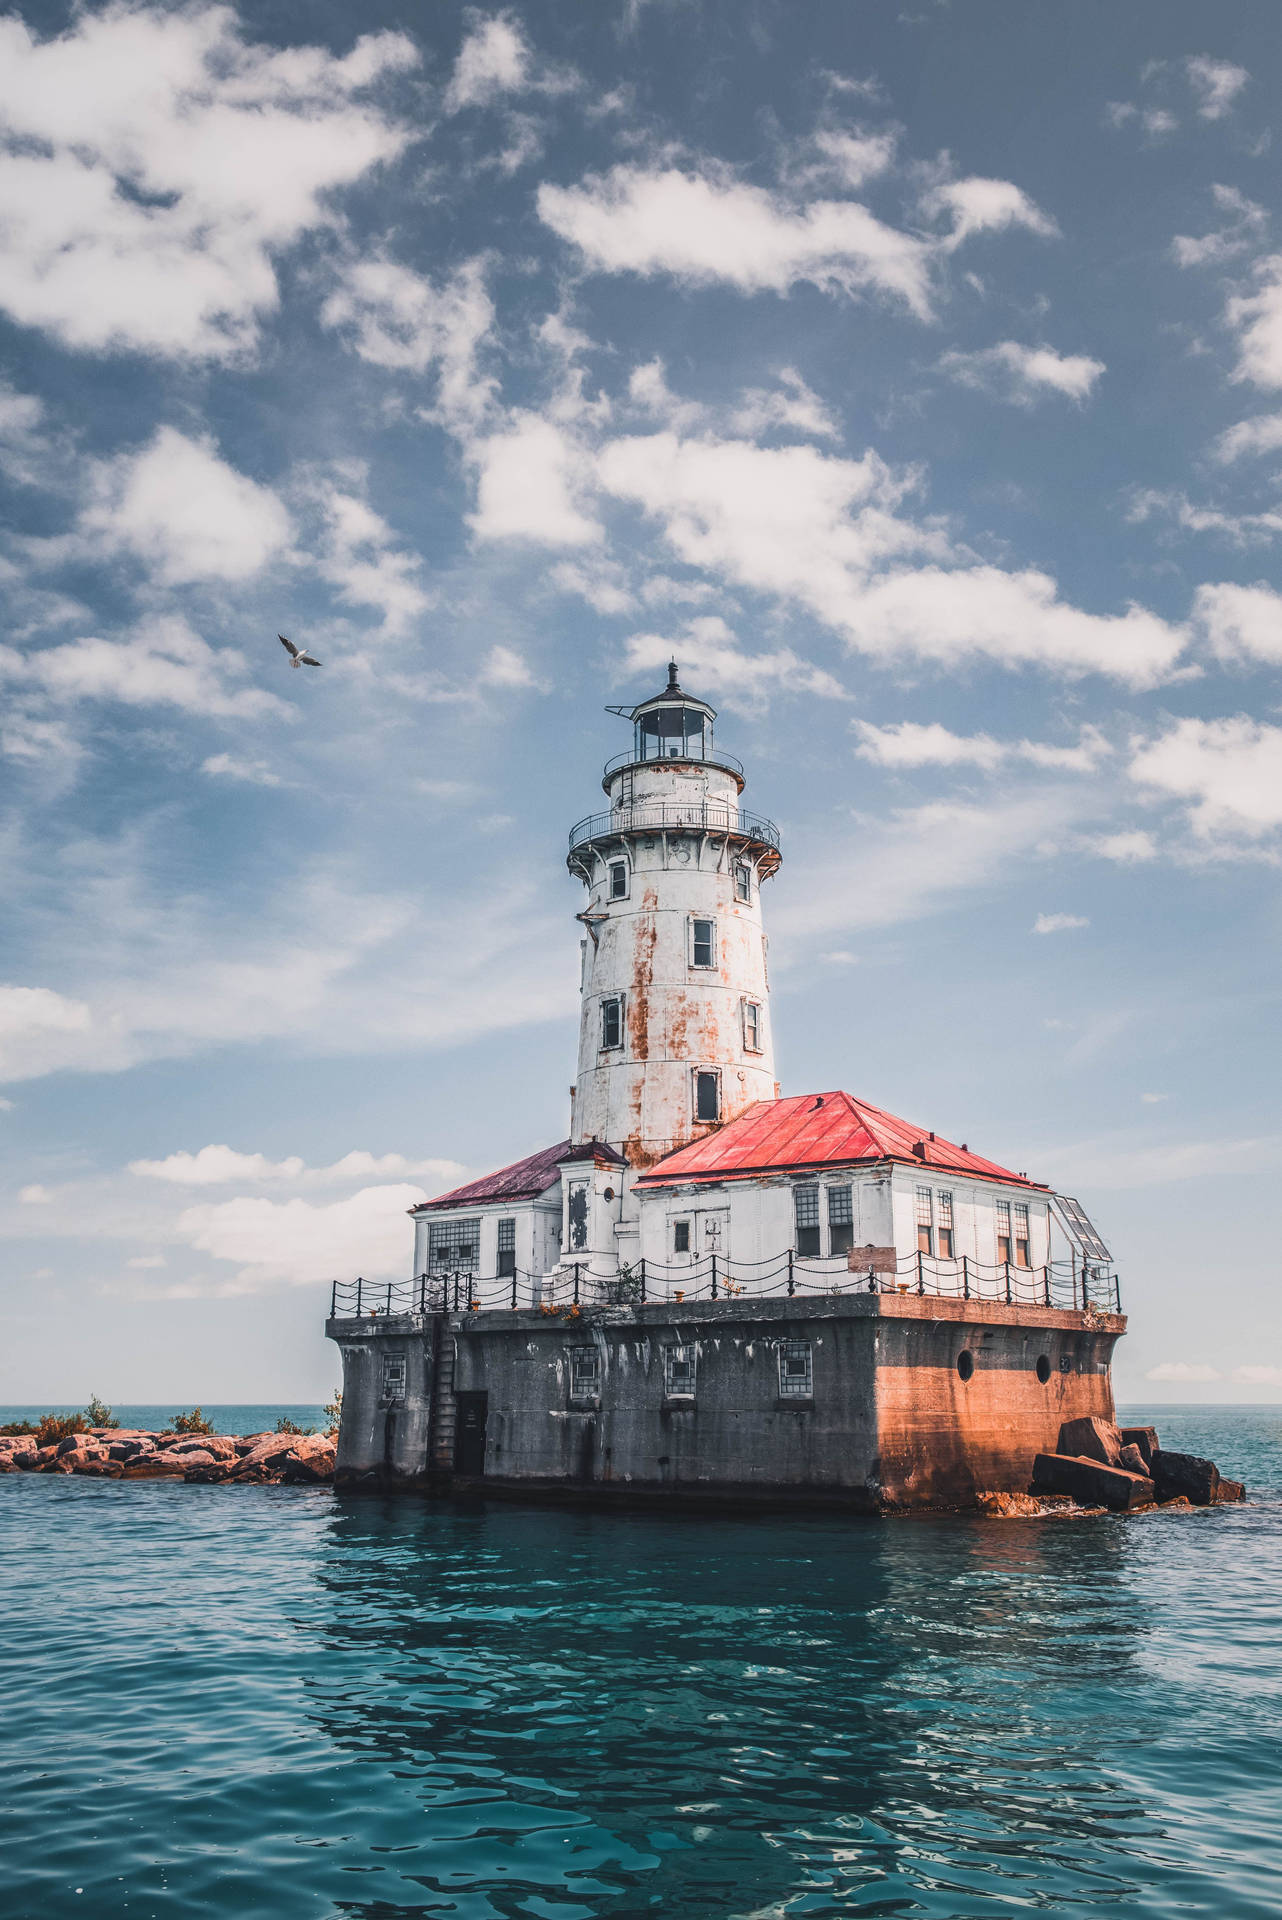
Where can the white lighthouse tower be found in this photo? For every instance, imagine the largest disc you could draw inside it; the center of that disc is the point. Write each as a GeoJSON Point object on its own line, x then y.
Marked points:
{"type": "Point", "coordinates": [675, 1034]}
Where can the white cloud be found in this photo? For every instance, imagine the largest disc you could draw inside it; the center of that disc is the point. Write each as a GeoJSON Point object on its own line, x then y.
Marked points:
{"type": "Point", "coordinates": [1261, 435]}
{"type": "Point", "coordinates": [1155, 122]}
{"type": "Point", "coordinates": [361, 555]}
{"type": "Point", "coordinates": [217, 1166]}
{"type": "Point", "coordinates": [398, 319]}
{"type": "Point", "coordinates": [1154, 1099]}
{"type": "Point", "coordinates": [35, 1196]}
{"type": "Point", "coordinates": [156, 163]}
{"type": "Point", "coordinates": [1127, 848]}
{"type": "Point", "coordinates": [792, 404]}
{"type": "Point", "coordinates": [184, 512]}
{"type": "Point", "coordinates": [37, 1024]}
{"type": "Point", "coordinates": [299, 1242]}
{"type": "Point", "coordinates": [1058, 922]}
{"type": "Point", "coordinates": [531, 477]}
{"type": "Point", "coordinates": [707, 227]}
{"type": "Point", "coordinates": [505, 667]}
{"type": "Point", "coordinates": [1246, 220]}
{"type": "Point", "coordinates": [910, 743]}
{"type": "Point", "coordinates": [977, 205]}
{"type": "Point", "coordinates": [1256, 318]}
{"type": "Point", "coordinates": [230, 766]}
{"type": "Point", "coordinates": [493, 60]}
{"type": "Point", "coordinates": [163, 664]}
{"type": "Point", "coordinates": [1242, 529]}
{"type": "Point", "coordinates": [710, 653]}
{"type": "Point", "coordinates": [1022, 374]}
{"type": "Point", "coordinates": [602, 583]}
{"type": "Point", "coordinates": [1227, 772]}
{"type": "Point", "coordinates": [1215, 83]}
{"type": "Point", "coordinates": [846, 157]}
{"type": "Point", "coordinates": [144, 1261]}
{"type": "Point", "coordinates": [1242, 624]}
{"type": "Point", "coordinates": [1258, 1376]}
{"type": "Point", "coordinates": [1189, 1372]}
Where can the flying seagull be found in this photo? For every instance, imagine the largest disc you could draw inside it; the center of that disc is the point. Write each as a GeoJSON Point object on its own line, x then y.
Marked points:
{"type": "Point", "coordinates": [297, 658]}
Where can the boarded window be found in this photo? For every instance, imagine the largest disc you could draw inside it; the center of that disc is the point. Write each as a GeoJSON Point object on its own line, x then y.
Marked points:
{"type": "Point", "coordinates": [796, 1378]}
{"type": "Point", "coordinates": [618, 880]}
{"type": "Point", "coordinates": [678, 1370]}
{"type": "Point", "coordinates": [707, 1096]}
{"type": "Point", "coordinates": [702, 942]}
{"type": "Point", "coordinates": [925, 1222]}
{"type": "Point", "coordinates": [394, 1376]}
{"type": "Point", "coordinates": [612, 1021]}
{"type": "Point", "coordinates": [507, 1247]}
{"type": "Point", "coordinates": [680, 1236]}
{"type": "Point", "coordinates": [752, 1026]}
{"type": "Point", "coordinates": [805, 1202]}
{"type": "Point", "coordinates": [1003, 1230]}
{"type": "Point", "coordinates": [743, 882]}
{"type": "Point", "coordinates": [454, 1246]}
{"type": "Point", "coordinates": [585, 1373]}
{"type": "Point", "coordinates": [1023, 1245]}
{"type": "Point", "coordinates": [577, 1213]}
{"type": "Point", "coordinates": [944, 1224]}
{"type": "Point", "coordinates": [841, 1219]}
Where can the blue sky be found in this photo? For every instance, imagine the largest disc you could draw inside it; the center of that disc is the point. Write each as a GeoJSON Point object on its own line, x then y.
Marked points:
{"type": "Point", "coordinates": [915, 375]}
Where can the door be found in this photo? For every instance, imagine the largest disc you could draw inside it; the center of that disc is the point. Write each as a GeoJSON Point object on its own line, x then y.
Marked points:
{"type": "Point", "coordinates": [469, 1434]}
{"type": "Point", "coordinates": [712, 1236]}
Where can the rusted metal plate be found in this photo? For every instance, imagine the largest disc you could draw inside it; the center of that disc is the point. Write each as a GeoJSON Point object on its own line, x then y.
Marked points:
{"type": "Point", "coordinates": [873, 1259]}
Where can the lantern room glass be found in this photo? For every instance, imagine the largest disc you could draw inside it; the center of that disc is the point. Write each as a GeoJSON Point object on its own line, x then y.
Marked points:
{"type": "Point", "coordinates": [673, 733]}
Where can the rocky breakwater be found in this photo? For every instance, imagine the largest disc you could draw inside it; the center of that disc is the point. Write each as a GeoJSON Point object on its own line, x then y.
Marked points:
{"type": "Point", "coordinates": [108, 1453]}
{"type": "Point", "coordinates": [1127, 1469]}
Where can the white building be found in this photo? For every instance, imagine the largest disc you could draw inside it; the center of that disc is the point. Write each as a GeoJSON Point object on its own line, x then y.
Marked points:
{"type": "Point", "coordinates": [684, 1169]}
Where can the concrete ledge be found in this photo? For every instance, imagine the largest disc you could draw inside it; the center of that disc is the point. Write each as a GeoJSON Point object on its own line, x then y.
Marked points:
{"type": "Point", "coordinates": [775, 1307]}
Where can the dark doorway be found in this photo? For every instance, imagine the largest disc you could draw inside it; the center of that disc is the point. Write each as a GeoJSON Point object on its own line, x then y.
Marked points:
{"type": "Point", "coordinates": [469, 1434]}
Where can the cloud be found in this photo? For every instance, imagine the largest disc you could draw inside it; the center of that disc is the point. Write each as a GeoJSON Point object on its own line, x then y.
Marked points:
{"type": "Point", "coordinates": [1155, 122]}
{"type": "Point", "coordinates": [360, 552]}
{"type": "Point", "coordinates": [1227, 772]}
{"type": "Point", "coordinates": [1154, 1099]}
{"type": "Point", "coordinates": [35, 1196]}
{"type": "Point", "coordinates": [254, 772]}
{"type": "Point", "coordinates": [398, 319]}
{"type": "Point", "coordinates": [1058, 922]}
{"type": "Point", "coordinates": [217, 1166]}
{"type": "Point", "coordinates": [505, 667]}
{"type": "Point", "coordinates": [1256, 318]}
{"type": "Point", "coordinates": [710, 653]}
{"type": "Point", "coordinates": [1022, 375]}
{"type": "Point", "coordinates": [707, 227]}
{"type": "Point", "coordinates": [157, 163]}
{"type": "Point", "coordinates": [496, 60]}
{"type": "Point", "coordinates": [164, 664]}
{"type": "Point", "coordinates": [143, 1261]}
{"type": "Point", "coordinates": [1243, 529]}
{"type": "Point", "coordinates": [1186, 1371]}
{"type": "Point", "coordinates": [1261, 435]}
{"type": "Point", "coordinates": [1246, 221]}
{"type": "Point", "coordinates": [977, 205]}
{"type": "Point", "coordinates": [1258, 1376]}
{"type": "Point", "coordinates": [1242, 624]}
{"type": "Point", "coordinates": [909, 743]}
{"type": "Point", "coordinates": [1127, 848]}
{"type": "Point", "coordinates": [1215, 83]}
{"type": "Point", "coordinates": [530, 479]}
{"type": "Point", "coordinates": [845, 157]}
{"type": "Point", "coordinates": [37, 1024]}
{"type": "Point", "coordinates": [178, 507]}
{"type": "Point", "coordinates": [300, 1243]}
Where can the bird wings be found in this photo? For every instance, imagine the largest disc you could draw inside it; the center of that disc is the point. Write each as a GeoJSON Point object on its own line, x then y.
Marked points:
{"type": "Point", "coordinates": [296, 654]}
{"type": "Point", "coordinates": [288, 645]}
{"type": "Point", "coordinates": [309, 660]}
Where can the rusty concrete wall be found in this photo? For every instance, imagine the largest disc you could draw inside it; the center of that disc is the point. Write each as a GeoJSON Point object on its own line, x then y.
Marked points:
{"type": "Point", "coordinates": [384, 1433]}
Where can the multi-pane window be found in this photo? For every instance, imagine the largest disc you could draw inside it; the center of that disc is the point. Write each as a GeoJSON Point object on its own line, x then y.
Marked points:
{"type": "Point", "coordinates": [678, 1370]}
{"type": "Point", "coordinates": [841, 1219]}
{"type": "Point", "coordinates": [1003, 1231]}
{"type": "Point", "coordinates": [618, 880]}
{"type": "Point", "coordinates": [394, 1376]}
{"type": "Point", "coordinates": [743, 881]}
{"type": "Point", "coordinates": [703, 935]}
{"type": "Point", "coordinates": [680, 1236]}
{"type": "Point", "coordinates": [576, 1212]}
{"type": "Point", "coordinates": [585, 1373]}
{"type": "Point", "coordinates": [925, 1221]}
{"type": "Point", "coordinates": [612, 1021]}
{"type": "Point", "coordinates": [805, 1202]}
{"type": "Point", "coordinates": [752, 1026]}
{"type": "Point", "coordinates": [454, 1245]}
{"type": "Point", "coordinates": [1023, 1249]}
{"type": "Point", "coordinates": [796, 1377]}
{"type": "Point", "coordinates": [707, 1096]}
{"type": "Point", "coordinates": [944, 1224]}
{"type": "Point", "coordinates": [507, 1247]}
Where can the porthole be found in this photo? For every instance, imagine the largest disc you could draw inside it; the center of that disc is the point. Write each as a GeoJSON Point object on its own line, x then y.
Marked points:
{"type": "Point", "coordinates": [1043, 1368]}
{"type": "Point", "coordinates": [965, 1363]}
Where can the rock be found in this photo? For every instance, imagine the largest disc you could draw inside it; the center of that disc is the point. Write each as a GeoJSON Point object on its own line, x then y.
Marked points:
{"type": "Point", "coordinates": [1090, 1439]}
{"type": "Point", "coordinates": [316, 1465]}
{"type": "Point", "coordinates": [26, 1459]}
{"type": "Point", "coordinates": [1230, 1490]}
{"type": "Point", "coordinates": [132, 1447]}
{"type": "Point", "coordinates": [1145, 1438]}
{"type": "Point", "coordinates": [249, 1441]}
{"type": "Point", "coordinates": [210, 1475]}
{"type": "Point", "coordinates": [79, 1443]}
{"type": "Point", "coordinates": [1009, 1506]}
{"type": "Point", "coordinates": [1090, 1482]}
{"type": "Point", "coordinates": [217, 1445]}
{"type": "Point", "coordinates": [1132, 1458]}
{"type": "Point", "coordinates": [1185, 1473]}
{"type": "Point", "coordinates": [153, 1466]}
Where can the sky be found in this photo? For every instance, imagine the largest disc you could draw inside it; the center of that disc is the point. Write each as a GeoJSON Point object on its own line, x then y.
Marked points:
{"type": "Point", "coordinates": [913, 374]}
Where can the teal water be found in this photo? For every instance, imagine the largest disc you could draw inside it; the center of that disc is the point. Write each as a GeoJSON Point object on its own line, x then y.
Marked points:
{"type": "Point", "coordinates": [261, 1701]}
{"type": "Point", "coordinates": [152, 1418]}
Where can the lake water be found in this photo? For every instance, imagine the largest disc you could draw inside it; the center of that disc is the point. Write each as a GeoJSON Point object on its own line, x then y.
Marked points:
{"type": "Point", "coordinates": [262, 1701]}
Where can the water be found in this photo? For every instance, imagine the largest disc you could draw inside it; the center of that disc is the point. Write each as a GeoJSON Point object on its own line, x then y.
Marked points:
{"type": "Point", "coordinates": [259, 1701]}
{"type": "Point", "coordinates": [152, 1419]}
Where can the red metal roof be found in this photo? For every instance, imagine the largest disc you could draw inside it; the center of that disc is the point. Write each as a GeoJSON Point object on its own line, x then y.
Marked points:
{"type": "Point", "coordinates": [816, 1130]}
{"type": "Point", "coordinates": [525, 1179]}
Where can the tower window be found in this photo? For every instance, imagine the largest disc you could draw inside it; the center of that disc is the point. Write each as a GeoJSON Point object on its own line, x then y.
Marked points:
{"type": "Point", "coordinates": [678, 1371]}
{"type": "Point", "coordinates": [944, 1219]}
{"type": "Point", "coordinates": [1003, 1232]}
{"type": "Point", "coordinates": [703, 936]}
{"type": "Point", "coordinates": [841, 1219]}
{"type": "Point", "coordinates": [585, 1373]}
{"type": "Point", "coordinates": [453, 1245]}
{"type": "Point", "coordinates": [796, 1374]}
{"type": "Point", "coordinates": [576, 1207]}
{"type": "Point", "coordinates": [393, 1376]}
{"type": "Point", "coordinates": [680, 1236]}
{"type": "Point", "coordinates": [805, 1202]}
{"type": "Point", "coordinates": [612, 1021]}
{"type": "Point", "coordinates": [752, 1026]}
{"type": "Point", "coordinates": [925, 1222]}
{"type": "Point", "coordinates": [1022, 1242]}
{"type": "Point", "coordinates": [707, 1096]}
{"type": "Point", "coordinates": [743, 881]}
{"type": "Point", "coordinates": [507, 1247]}
{"type": "Point", "coordinates": [618, 880]}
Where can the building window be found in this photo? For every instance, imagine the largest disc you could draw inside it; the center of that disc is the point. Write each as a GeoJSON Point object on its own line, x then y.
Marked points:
{"type": "Point", "coordinates": [454, 1245]}
{"type": "Point", "coordinates": [743, 881]}
{"type": "Point", "coordinates": [944, 1224]}
{"type": "Point", "coordinates": [703, 936]}
{"type": "Point", "coordinates": [805, 1202]}
{"type": "Point", "coordinates": [841, 1219]}
{"type": "Point", "coordinates": [752, 1026]}
{"type": "Point", "coordinates": [707, 1096]}
{"type": "Point", "coordinates": [925, 1222]}
{"type": "Point", "coordinates": [680, 1236]}
{"type": "Point", "coordinates": [618, 880]}
{"type": "Point", "coordinates": [612, 1021]}
{"type": "Point", "coordinates": [1023, 1250]}
{"type": "Point", "coordinates": [585, 1373]}
{"type": "Point", "coordinates": [394, 1376]}
{"type": "Point", "coordinates": [1003, 1232]}
{"type": "Point", "coordinates": [576, 1207]}
{"type": "Point", "coordinates": [678, 1371]}
{"type": "Point", "coordinates": [796, 1379]}
{"type": "Point", "coordinates": [507, 1247]}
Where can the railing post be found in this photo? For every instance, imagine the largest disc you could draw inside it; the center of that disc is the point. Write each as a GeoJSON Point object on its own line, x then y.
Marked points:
{"type": "Point", "coordinates": [1046, 1284]}
{"type": "Point", "coordinates": [359, 1284]}
{"type": "Point", "coordinates": [714, 1273]}
{"type": "Point", "coordinates": [456, 1290]}
{"type": "Point", "coordinates": [576, 1283]}
{"type": "Point", "coordinates": [333, 1297]}
{"type": "Point", "coordinates": [1008, 1283]}
{"type": "Point", "coordinates": [965, 1277]}
{"type": "Point", "coordinates": [389, 1299]}
{"type": "Point", "coordinates": [1117, 1292]}
{"type": "Point", "coordinates": [792, 1280]}
{"type": "Point", "coordinates": [643, 1280]}
{"type": "Point", "coordinates": [921, 1272]}
{"type": "Point", "coordinates": [514, 1288]}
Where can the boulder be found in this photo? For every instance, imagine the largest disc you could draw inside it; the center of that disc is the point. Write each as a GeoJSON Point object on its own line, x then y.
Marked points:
{"type": "Point", "coordinates": [210, 1474]}
{"type": "Point", "coordinates": [79, 1443]}
{"type": "Point", "coordinates": [1090, 1482]}
{"type": "Point", "coordinates": [132, 1447]}
{"type": "Point", "coordinates": [315, 1465]}
{"type": "Point", "coordinates": [1009, 1506]}
{"type": "Point", "coordinates": [1230, 1490]}
{"type": "Point", "coordinates": [1132, 1458]}
{"type": "Point", "coordinates": [1185, 1473]}
{"type": "Point", "coordinates": [25, 1459]}
{"type": "Point", "coordinates": [1145, 1438]}
{"type": "Point", "coordinates": [247, 1442]}
{"type": "Point", "coordinates": [152, 1466]}
{"type": "Point", "coordinates": [218, 1446]}
{"type": "Point", "coordinates": [1090, 1439]}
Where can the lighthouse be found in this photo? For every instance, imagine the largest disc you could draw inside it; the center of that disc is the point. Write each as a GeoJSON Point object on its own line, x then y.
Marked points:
{"type": "Point", "coordinates": [675, 1033]}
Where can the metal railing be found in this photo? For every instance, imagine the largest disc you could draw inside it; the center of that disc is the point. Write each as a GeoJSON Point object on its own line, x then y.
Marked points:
{"type": "Point", "coordinates": [1077, 1285]}
{"type": "Point", "coordinates": [714, 759]}
{"type": "Point", "coordinates": [674, 817]}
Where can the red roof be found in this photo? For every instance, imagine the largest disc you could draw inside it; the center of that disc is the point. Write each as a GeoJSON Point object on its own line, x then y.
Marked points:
{"type": "Point", "coordinates": [816, 1130]}
{"type": "Point", "coordinates": [525, 1179]}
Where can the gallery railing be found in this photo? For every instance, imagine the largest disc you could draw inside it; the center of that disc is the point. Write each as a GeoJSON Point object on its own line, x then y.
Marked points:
{"type": "Point", "coordinates": [675, 817]}
{"type": "Point", "coordinates": [1079, 1285]}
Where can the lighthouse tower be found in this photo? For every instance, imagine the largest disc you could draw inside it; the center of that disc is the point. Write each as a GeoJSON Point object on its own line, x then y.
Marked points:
{"type": "Point", "coordinates": [675, 1035]}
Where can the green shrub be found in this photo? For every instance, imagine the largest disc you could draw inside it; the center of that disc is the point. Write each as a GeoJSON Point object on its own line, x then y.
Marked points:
{"type": "Point", "coordinates": [96, 1415]}
{"type": "Point", "coordinates": [286, 1425]}
{"type": "Point", "coordinates": [18, 1427]}
{"type": "Point", "coordinates": [334, 1411]}
{"type": "Point", "coordinates": [59, 1426]}
{"type": "Point", "coordinates": [193, 1422]}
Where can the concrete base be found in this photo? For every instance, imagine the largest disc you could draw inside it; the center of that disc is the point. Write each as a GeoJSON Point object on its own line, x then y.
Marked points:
{"type": "Point", "coordinates": [864, 1402]}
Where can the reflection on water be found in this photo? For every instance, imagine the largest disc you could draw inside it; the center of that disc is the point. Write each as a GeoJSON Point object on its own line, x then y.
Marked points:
{"type": "Point", "coordinates": [266, 1701]}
